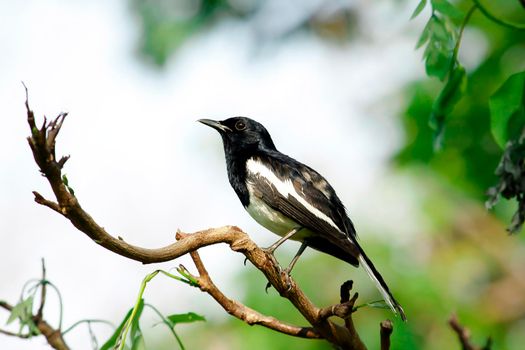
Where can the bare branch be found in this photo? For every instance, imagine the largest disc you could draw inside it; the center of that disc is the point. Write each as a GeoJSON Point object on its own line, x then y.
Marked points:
{"type": "Point", "coordinates": [243, 312]}
{"type": "Point", "coordinates": [464, 335]}
{"type": "Point", "coordinates": [345, 308]}
{"type": "Point", "coordinates": [386, 329]}
{"type": "Point", "coordinates": [349, 322]}
{"type": "Point", "coordinates": [50, 204]}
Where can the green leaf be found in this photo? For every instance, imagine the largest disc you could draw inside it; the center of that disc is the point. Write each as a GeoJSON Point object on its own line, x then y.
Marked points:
{"type": "Point", "coordinates": [419, 8]}
{"type": "Point", "coordinates": [184, 318]}
{"type": "Point", "coordinates": [66, 183]}
{"type": "Point", "coordinates": [135, 333]}
{"type": "Point", "coordinates": [168, 323]}
{"type": "Point", "coordinates": [22, 311]}
{"type": "Point", "coordinates": [378, 304]}
{"type": "Point", "coordinates": [439, 51]}
{"type": "Point", "coordinates": [138, 343]}
{"type": "Point", "coordinates": [437, 62]}
{"type": "Point", "coordinates": [446, 101]}
{"type": "Point", "coordinates": [507, 109]}
{"type": "Point", "coordinates": [446, 8]}
{"type": "Point", "coordinates": [451, 92]}
{"type": "Point", "coordinates": [111, 342]}
{"type": "Point", "coordinates": [425, 34]}
{"type": "Point", "coordinates": [19, 311]}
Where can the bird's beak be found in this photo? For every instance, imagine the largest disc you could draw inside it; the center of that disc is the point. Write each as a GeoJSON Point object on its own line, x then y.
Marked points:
{"type": "Point", "coordinates": [214, 124]}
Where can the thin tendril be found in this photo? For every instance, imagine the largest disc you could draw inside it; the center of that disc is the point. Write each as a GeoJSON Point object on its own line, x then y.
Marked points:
{"type": "Point", "coordinates": [164, 321]}
{"type": "Point", "coordinates": [70, 328]}
{"type": "Point", "coordinates": [486, 13]}
{"type": "Point", "coordinates": [460, 36]}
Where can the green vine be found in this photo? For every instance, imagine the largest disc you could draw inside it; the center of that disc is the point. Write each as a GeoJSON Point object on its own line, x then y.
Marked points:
{"type": "Point", "coordinates": [495, 19]}
{"type": "Point", "coordinates": [507, 105]}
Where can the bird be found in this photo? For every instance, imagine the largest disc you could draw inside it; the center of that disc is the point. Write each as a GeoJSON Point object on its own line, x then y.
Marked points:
{"type": "Point", "coordinates": [291, 199]}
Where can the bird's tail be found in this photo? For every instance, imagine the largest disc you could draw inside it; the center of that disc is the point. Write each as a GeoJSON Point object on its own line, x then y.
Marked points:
{"type": "Point", "coordinates": [380, 283]}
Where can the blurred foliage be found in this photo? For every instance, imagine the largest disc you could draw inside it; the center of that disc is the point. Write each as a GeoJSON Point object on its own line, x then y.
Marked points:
{"type": "Point", "coordinates": [507, 107]}
{"type": "Point", "coordinates": [470, 154]}
{"type": "Point", "coordinates": [167, 24]}
{"type": "Point", "coordinates": [461, 262]}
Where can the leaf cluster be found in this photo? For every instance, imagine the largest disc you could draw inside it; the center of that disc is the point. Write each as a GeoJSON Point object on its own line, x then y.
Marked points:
{"type": "Point", "coordinates": [442, 37]}
{"type": "Point", "coordinates": [23, 312]}
{"type": "Point", "coordinates": [167, 25]}
{"type": "Point", "coordinates": [507, 108]}
{"type": "Point", "coordinates": [442, 42]}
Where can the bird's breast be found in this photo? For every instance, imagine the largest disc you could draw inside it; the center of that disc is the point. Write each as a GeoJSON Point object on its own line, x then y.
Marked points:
{"type": "Point", "coordinates": [273, 220]}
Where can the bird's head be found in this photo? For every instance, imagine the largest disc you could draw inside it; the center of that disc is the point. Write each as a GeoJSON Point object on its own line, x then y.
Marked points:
{"type": "Point", "coordinates": [240, 134]}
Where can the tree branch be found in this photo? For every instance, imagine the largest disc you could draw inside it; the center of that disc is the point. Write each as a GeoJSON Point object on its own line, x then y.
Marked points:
{"type": "Point", "coordinates": [386, 329]}
{"type": "Point", "coordinates": [42, 142]}
{"type": "Point", "coordinates": [464, 335]}
{"type": "Point", "coordinates": [243, 312]}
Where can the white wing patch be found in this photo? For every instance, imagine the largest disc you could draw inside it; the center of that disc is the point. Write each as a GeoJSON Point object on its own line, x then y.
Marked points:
{"type": "Point", "coordinates": [285, 188]}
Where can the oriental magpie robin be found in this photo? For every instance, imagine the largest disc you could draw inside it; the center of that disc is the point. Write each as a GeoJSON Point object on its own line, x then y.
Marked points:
{"type": "Point", "coordinates": [290, 198]}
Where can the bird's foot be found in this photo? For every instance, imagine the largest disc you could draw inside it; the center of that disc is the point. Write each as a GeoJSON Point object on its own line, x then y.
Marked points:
{"type": "Point", "coordinates": [285, 273]}
{"type": "Point", "coordinates": [271, 257]}
{"type": "Point", "coordinates": [287, 279]}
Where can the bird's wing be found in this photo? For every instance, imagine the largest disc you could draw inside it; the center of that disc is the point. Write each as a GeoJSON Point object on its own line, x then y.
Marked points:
{"type": "Point", "coordinates": [301, 194]}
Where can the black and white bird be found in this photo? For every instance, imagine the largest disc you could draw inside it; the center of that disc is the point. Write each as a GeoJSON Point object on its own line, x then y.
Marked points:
{"type": "Point", "coordinates": [290, 198]}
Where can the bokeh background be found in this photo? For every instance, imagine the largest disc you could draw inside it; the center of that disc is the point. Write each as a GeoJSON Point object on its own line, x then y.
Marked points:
{"type": "Point", "coordinates": [339, 86]}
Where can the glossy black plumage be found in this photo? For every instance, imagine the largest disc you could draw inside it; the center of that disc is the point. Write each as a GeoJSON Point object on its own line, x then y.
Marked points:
{"type": "Point", "coordinates": [282, 194]}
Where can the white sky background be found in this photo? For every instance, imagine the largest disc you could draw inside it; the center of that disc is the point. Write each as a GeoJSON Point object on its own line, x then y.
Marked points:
{"type": "Point", "coordinates": [143, 167]}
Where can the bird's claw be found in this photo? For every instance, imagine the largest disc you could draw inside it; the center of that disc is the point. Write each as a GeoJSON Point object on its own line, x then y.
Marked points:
{"type": "Point", "coordinates": [285, 276]}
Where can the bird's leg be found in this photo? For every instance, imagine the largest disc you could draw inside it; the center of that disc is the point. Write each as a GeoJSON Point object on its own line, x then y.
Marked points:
{"type": "Point", "coordinates": [285, 274]}
{"type": "Point", "coordinates": [288, 270]}
{"type": "Point", "coordinates": [281, 240]}
{"type": "Point", "coordinates": [271, 249]}
{"type": "Point", "coordinates": [274, 246]}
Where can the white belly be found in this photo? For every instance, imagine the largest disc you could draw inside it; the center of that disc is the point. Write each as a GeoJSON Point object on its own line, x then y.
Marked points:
{"type": "Point", "coordinates": [273, 220]}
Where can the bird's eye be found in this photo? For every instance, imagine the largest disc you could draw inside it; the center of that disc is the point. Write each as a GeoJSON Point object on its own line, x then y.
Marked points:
{"type": "Point", "coordinates": [240, 125]}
